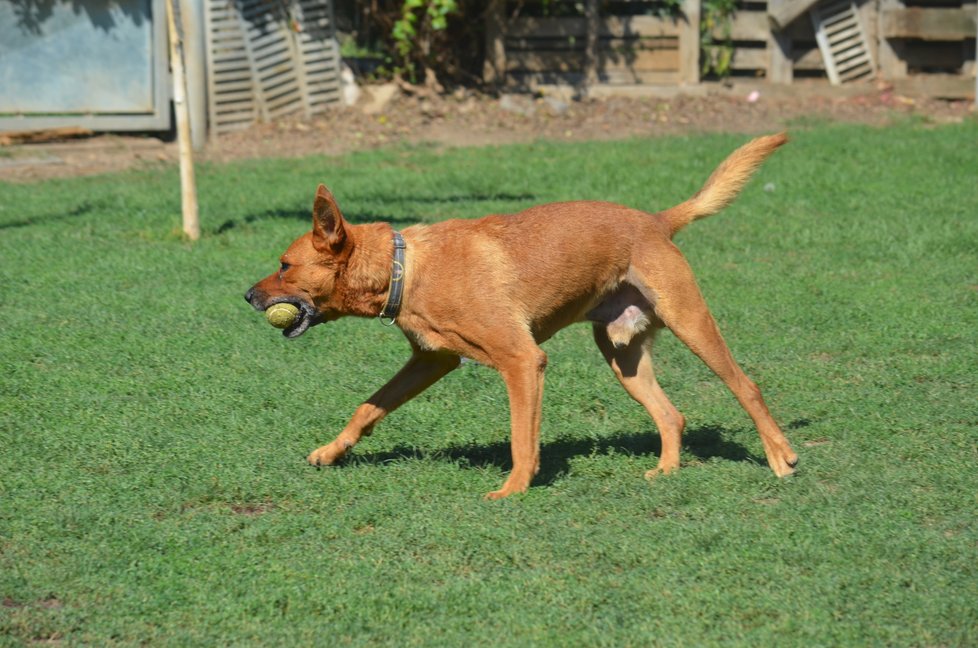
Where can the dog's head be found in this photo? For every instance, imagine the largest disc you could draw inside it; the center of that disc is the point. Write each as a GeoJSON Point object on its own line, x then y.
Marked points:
{"type": "Point", "coordinates": [310, 271]}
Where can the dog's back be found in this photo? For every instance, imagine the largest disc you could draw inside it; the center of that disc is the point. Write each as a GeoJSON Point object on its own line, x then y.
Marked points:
{"type": "Point", "coordinates": [554, 263]}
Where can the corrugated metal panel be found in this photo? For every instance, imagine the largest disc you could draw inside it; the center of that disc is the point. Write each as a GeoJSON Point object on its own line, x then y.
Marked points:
{"type": "Point", "coordinates": [87, 63]}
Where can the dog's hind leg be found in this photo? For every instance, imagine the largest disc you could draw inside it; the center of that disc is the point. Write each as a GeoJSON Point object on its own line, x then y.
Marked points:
{"type": "Point", "coordinates": [421, 371]}
{"type": "Point", "coordinates": [632, 364]}
{"type": "Point", "coordinates": [680, 305]}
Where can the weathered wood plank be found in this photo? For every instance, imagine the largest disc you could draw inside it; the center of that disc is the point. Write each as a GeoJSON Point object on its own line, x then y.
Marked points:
{"type": "Point", "coordinates": [224, 88]}
{"type": "Point", "coordinates": [244, 97]}
{"type": "Point", "coordinates": [689, 43]}
{"type": "Point", "coordinates": [750, 26]}
{"type": "Point", "coordinates": [230, 60]}
{"type": "Point", "coordinates": [746, 26]}
{"type": "Point", "coordinates": [576, 27]}
{"type": "Point", "coordinates": [808, 60]}
{"type": "Point", "coordinates": [531, 61]}
{"type": "Point", "coordinates": [660, 60]}
{"type": "Point", "coordinates": [631, 77]}
{"type": "Point", "coordinates": [783, 12]}
{"type": "Point", "coordinates": [780, 68]}
{"type": "Point", "coordinates": [937, 85]}
{"type": "Point", "coordinates": [569, 45]}
{"type": "Point", "coordinates": [553, 44]}
{"type": "Point", "coordinates": [934, 24]}
{"type": "Point", "coordinates": [531, 79]}
{"type": "Point", "coordinates": [615, 77]}
{"type": "Point", "coordinates": [664, 60]}
{"type": "Point", "coordinates": [745, 58]}
{"type": "Point", "coordinates": [892, 53]}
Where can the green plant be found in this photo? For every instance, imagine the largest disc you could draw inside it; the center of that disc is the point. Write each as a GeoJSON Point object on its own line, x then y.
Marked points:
{"type": "Point", "coordinates": [350, 48]}
{"type": "Point", "coordinates": [416, 31]}
{"type": "Point", "coordinates": [668, 8]}
{"type": "Point", "coordinates": [717, 51]}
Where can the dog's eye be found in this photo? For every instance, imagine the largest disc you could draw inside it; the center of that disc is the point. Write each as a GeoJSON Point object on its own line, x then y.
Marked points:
{"type": "Point", "coordinates": [285, 266]}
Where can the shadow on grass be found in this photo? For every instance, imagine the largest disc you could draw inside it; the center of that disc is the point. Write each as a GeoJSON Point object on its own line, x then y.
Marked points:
{"type": "Point", "coordinates": [81, 210]}
{"type": "Point", "coordinates": [704, 442]}
{"type": "Point", "coordinates": [469, 198]}
{"type": "Point", "coordinates": [305, 215]}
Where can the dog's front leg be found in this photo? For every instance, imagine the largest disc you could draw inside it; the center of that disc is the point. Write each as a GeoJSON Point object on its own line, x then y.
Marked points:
{"type": "Point", "coordinates": [523, 375]}
{"type": "Point", "coordinates": [422, 370]}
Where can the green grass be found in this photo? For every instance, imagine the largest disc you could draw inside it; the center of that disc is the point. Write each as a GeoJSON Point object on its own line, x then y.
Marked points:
{"type": "Point", "coordinates": [153, 427]}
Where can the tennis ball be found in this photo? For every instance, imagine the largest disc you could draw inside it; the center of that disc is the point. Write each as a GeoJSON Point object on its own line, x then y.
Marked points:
{"type": "Point", "coordinates": [281, 315]}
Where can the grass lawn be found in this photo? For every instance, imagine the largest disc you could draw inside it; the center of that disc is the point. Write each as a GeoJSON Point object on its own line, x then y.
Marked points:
{"type": "Point", "coordinates": [153, 427]}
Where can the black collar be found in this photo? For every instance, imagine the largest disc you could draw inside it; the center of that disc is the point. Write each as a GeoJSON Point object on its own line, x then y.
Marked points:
{"type": "Point", "coordinates": [393, 304]}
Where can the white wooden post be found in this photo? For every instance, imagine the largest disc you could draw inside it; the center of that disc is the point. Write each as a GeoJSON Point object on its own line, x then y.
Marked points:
{"type": "Point", "coordinates": [188, 188]}
{"type": "Point", "coordinates": [689, 43]}
{"type": "Point", "coordinates": [192, 23]}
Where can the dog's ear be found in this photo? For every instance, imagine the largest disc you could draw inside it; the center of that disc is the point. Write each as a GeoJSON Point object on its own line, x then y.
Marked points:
{"type": "Point", "coordinates": [328, 226]}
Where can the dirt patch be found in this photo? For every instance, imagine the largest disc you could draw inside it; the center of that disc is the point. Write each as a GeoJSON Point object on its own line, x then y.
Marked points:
{"type": "Point", "coordinates": [466, 119]}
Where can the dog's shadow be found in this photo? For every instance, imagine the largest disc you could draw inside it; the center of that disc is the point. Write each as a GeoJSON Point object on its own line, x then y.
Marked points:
{"type": "Point", "coordinates": [363, 216]}
{"type": "Point", "coordinates": [305, 216]}
{"type": "Point", "coordinates": [705, 442]}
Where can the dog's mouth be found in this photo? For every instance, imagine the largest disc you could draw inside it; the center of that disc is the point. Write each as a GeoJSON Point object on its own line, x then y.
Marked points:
{"type": "Point", "coordinates": [308, 317]}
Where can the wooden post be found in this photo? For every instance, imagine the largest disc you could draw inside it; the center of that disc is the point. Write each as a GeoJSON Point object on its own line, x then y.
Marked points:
{"type": "Point", "coordinates": [893, 64]}
{"type": "Point", "coordinates": [593, 19]}
{"type": "Point", "coordinates": [779, 44]}
{"type": "Point", "coordinates": [781, 64]}
{"type": "Point", "coordinates": [689, 43]}
{"type": "Point", "coordinates": [188, 188]}
{"type": "Point", "coordinates": [192, 25]}
{"type": "Point", "coordinates": [494, 68]}
{"type": "Point", "coordinates": [783, 12]}
{"type": "Point", "coordinates": [869, 19]}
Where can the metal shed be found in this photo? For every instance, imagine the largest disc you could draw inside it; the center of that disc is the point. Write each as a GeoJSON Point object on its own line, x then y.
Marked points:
{"type": "Point", "coordinates": [103, 64]}
{"type": "Point", "coordinates": [89, 63]}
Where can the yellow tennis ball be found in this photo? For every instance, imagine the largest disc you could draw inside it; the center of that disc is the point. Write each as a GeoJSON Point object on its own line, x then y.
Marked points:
{"type": "Point", "coordinates": [281, 315]}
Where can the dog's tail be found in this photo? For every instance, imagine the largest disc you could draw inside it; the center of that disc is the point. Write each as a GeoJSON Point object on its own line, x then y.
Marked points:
{"type": "Point", "coordinates": [724, 184]}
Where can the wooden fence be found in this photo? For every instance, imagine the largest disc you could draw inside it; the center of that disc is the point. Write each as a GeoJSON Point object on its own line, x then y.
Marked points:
{"type": "Point", "coordinates": [773, 39]}
{"type": "Point", "coordinates": [615, 49]}
{"type": "Point", "coordinates": [920, 37]}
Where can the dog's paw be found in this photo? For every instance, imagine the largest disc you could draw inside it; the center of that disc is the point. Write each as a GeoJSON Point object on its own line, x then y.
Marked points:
{"type": "Point", "coordinates": [327, 455]}
{"type": "Point", "coordinates": [501, 493]}
{"type": "Point", "coordinates": [515, 484]}
{"type": "Point", "coordinates": [662, 469]}
{"type": "Point", "coordinates": [783, 462]}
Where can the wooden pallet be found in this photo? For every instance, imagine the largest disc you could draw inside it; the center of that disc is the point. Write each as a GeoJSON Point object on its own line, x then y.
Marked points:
{"type": "Point", "coordinates": [919, 38]}
{"type": "Point", "coordinates": [268, 60]}
{"type": "Point", "coordinates": [272, 54]}
{"type": "Point", "coordinates": [639, 49]}
{"type": "Point", "coordinates": [231, 92]}
{"type": "Point", "coordinates": [842, 41]}
{"type": "Point", "coordinates": [319, 53]}
{"type": "Point", "coordinates": [529, 50]}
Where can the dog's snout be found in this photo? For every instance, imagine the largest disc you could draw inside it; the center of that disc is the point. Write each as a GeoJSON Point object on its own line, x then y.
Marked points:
{"type": "Point", "coordinates": [250, 295]}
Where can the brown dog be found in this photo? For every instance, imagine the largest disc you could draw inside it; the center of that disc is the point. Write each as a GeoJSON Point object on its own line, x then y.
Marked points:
{"type": "Point", "coordinates": [495, 288]}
